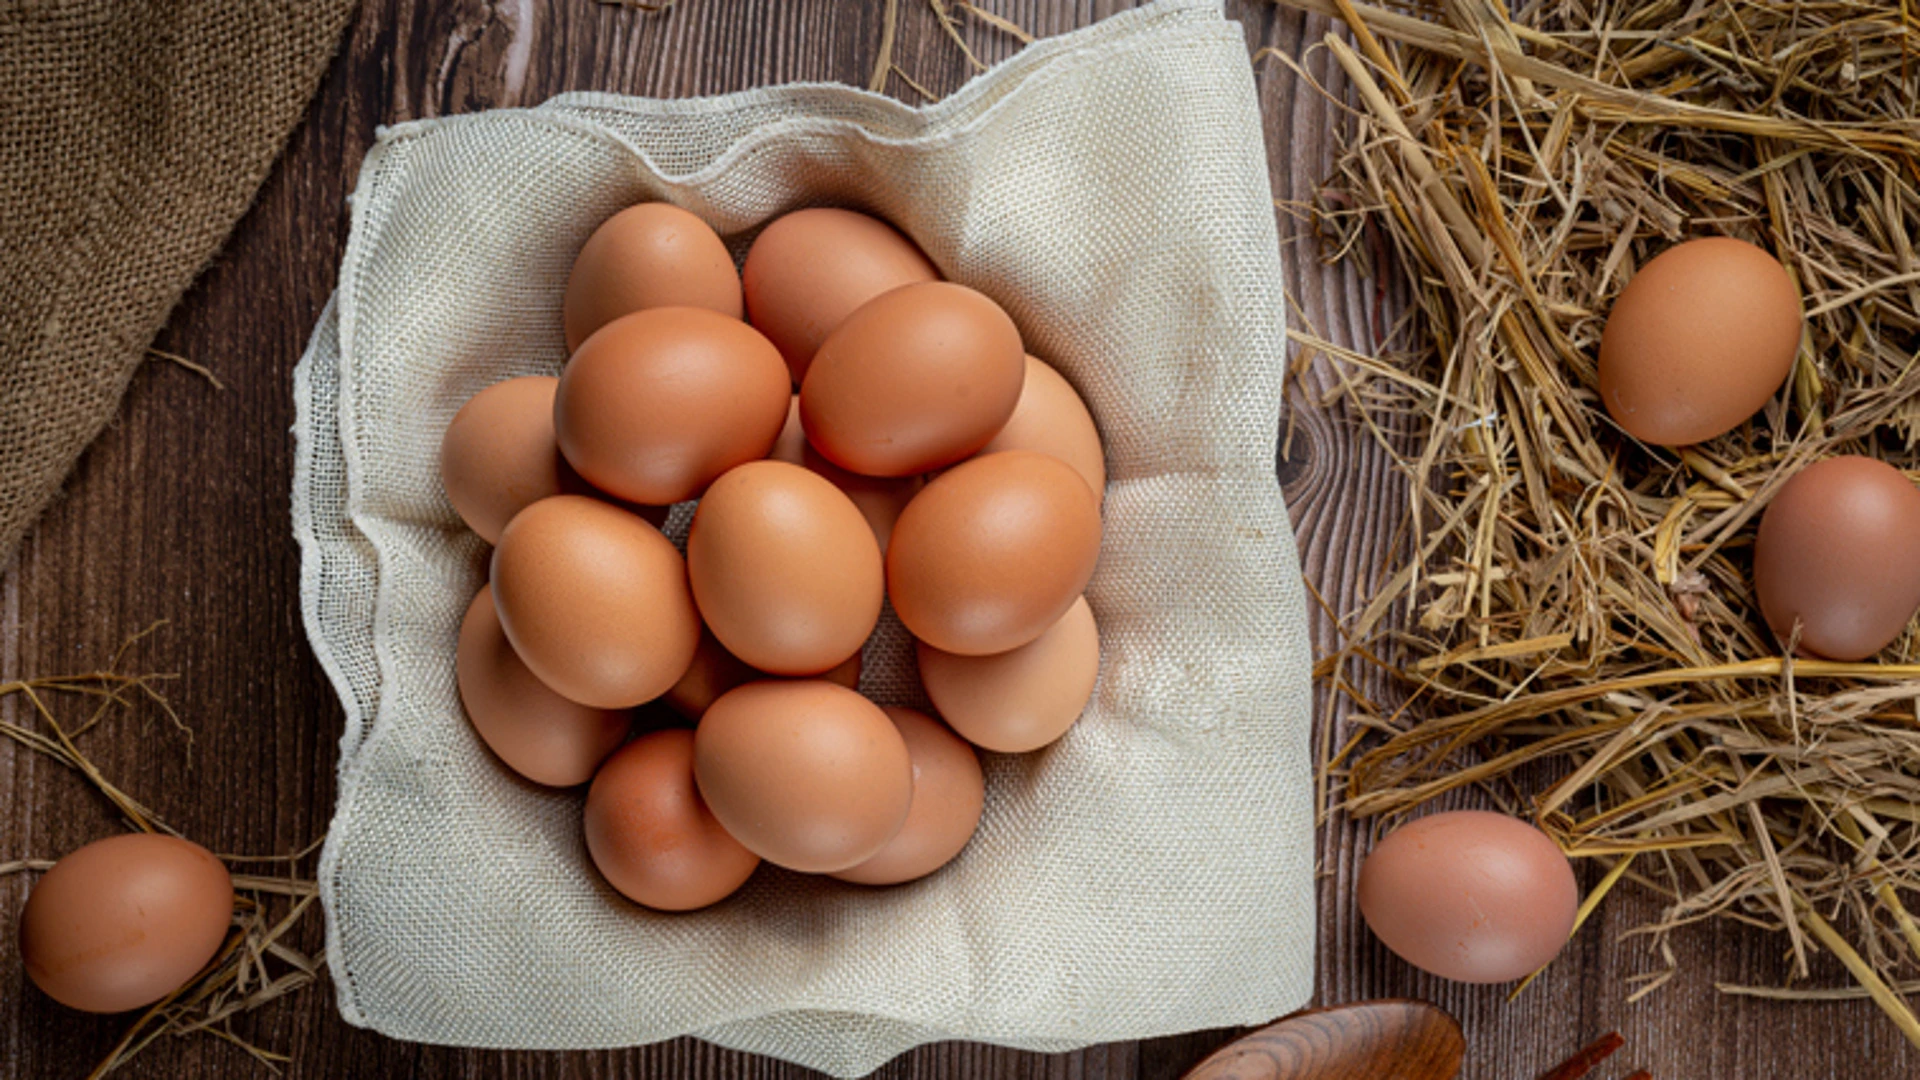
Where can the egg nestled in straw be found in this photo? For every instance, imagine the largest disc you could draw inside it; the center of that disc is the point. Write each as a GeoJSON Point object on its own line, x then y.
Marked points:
{"type": "Point", "coordinates": [1698, 341]}
{"type": "Point", "coordinates": [1836, 564]}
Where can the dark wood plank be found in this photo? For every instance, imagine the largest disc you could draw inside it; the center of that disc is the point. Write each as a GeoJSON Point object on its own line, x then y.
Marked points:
{"type": "Point", "coordinates": [181, 513]}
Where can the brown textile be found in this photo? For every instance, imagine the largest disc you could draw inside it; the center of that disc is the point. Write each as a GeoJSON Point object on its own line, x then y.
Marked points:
{"type": "Point", "coordinates": [133, 135]}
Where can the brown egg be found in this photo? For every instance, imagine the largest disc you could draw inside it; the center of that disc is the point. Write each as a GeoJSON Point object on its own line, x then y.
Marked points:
{"type": "Point", "coordinates": [652, 255]}
{"type": "Point", "coordinates": [1051, 419]}
{"type": "Point", "coordinates": [499, 454]}
{"type": "Point", "coordinates": [808, 270]}
{"type": "Point", "coordinates": [808, 775]}
{"type": "Point", "coordinates": [125, 921]}
{"type": "Point", "coordinates": [1698, 341]}
{"type": "Point", "coordinates": [1023, 699]}
{"type": "Point", "coordinates": [1839, 553]}
{"type": "Point", "coordinates": [595, 601]}
{"type": "Point", "coordinates": [715, 671]}
{"type": "Point", "coordinates": [652, 836]}
{"type": "Point", "coordinates": [1470, 896]}
{"type": "Point", "coordinates": [536, 732]}
{"type": "Point", "coordinates": [993, 552]}
{"type": "Point", "coordinates": [917, 378]}
{"type": "Point", "coordinates": [880, 499]}
{"type": "Point", "coordinates": [784, 569]}
{"type": "Point", "coordinates": [949, 792]}
{"type": "Point", "coordinates": [657, 404]}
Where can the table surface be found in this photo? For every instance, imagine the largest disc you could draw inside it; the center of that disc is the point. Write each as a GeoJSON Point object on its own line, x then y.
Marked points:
{"type": "Point", "coordinates": [181, 513]}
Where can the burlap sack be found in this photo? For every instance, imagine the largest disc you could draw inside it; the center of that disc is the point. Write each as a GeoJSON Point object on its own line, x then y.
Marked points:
{"type": "Point", "coordinates": [1149, 874]}
{"type": "Point", "coordinates": [133, 135]}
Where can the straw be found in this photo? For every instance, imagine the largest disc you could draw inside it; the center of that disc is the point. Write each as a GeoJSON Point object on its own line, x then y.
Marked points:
{"type": "Point", "coordinates": [1569, 614]}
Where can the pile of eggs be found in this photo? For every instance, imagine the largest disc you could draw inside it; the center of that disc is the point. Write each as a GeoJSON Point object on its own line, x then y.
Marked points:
{"type": "Point", "coordinates": [856, 431]}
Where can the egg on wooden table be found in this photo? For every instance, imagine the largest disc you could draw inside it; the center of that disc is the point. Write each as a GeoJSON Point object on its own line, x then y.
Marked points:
{"type": "Point", "coordinates": [1837, 557]}
{"type": "Point", "coordinates": [125, 921]}
{"type": "Point", "coordinates": [648, 256]}
{"type": "Point", "coordinates": [808, 270]}
{"type": "Point", "coordinates": [1469, 895]}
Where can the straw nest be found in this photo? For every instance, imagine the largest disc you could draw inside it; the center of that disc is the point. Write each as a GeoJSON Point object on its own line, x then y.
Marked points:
{"type": "Point", "coordinates": [1569, 615]}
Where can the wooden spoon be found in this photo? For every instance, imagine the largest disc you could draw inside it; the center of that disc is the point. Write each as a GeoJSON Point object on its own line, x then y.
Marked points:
{"type": "Point", "coordinates": [1370, 1040]}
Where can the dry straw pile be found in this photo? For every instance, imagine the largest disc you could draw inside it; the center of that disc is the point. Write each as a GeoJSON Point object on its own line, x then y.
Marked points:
{"type": "Point", "coordinates": [1569, 604]}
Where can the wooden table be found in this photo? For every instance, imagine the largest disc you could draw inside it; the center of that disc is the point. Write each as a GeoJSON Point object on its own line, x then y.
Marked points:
{"type": "Point", "coordinates": [181, 513]}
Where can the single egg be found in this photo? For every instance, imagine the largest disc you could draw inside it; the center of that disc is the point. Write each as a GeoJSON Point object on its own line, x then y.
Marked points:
{"type": "Point", "coordinates": [1838, 553]}
{"type": "Point", "coordinates": [651, 834]}
{"type": "Point", "coordinates": [652, 255]}
{"type": "Point", "coordinates": [808, 270]}
{"type": "Point", "coordinates": [125, 921]}
{"type": "Point", "coordinates": [808, 775]}
{"type": "Point", "coordinates": [595, 601]}
{"type": "Point", "coordinates": [1698, 341]}
{"type": "Point", "coordinates": [1022, 699]}
{"type": "Point", "coordinates": [917, 378]}
{"type": "Point", "coordinates": [534, 731]}
{"type": "Point", "coordinates": [880, 499]}
{"type": "Point", "coordinates": [949, 791]}
{"type": "Point", "coordinates": [657, 404]}
{"type": "Point", "coordinates": [784, 569]}
{"type": "Point", "coordinates": [1470, 896]}
{"type": "Point", "coordinates": [1051, 419]}
{"type": "Point", "coordinates": [993, 552]}
{"type": "Point", "coordinates": [715, 671]}
{"type": "Point", "coordinates": [499, 455]}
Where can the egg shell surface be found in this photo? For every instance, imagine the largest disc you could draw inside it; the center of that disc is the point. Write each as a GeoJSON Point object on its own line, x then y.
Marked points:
{"type": "Point", "coordinates": [651, 255]}
{"type": "Point", "coordinates": [1838, 553]}
{"type": "Point", "coordinates": [1698, 341]}
{"type": "Point", "coordinates": [808, 775]}
{"type": "Point", "coordinates": [125, 921]}
{"type": "Point", "coordinates": [594, 601]}
{"type": "Point", "coordinates": [1469, 895]}
{"type": "Point", "coordinates": [808, 270]}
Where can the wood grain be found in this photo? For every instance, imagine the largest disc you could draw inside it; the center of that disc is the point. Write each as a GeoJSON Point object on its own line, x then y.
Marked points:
{"type": "Point", "coordinates": [180, 512]}
{"type": "Point", "coordinates": [1407, 1040]}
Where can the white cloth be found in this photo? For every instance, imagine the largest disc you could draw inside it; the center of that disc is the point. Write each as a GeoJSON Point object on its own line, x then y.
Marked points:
{"type": "Point", "coordinates": [1149, 874]}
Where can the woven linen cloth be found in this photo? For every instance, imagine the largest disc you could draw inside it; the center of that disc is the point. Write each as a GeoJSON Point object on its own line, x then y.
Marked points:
{"type": "Point", "coordinates": [133, 135]}
{"type": "Point", "coordinates": [1150, 873]}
